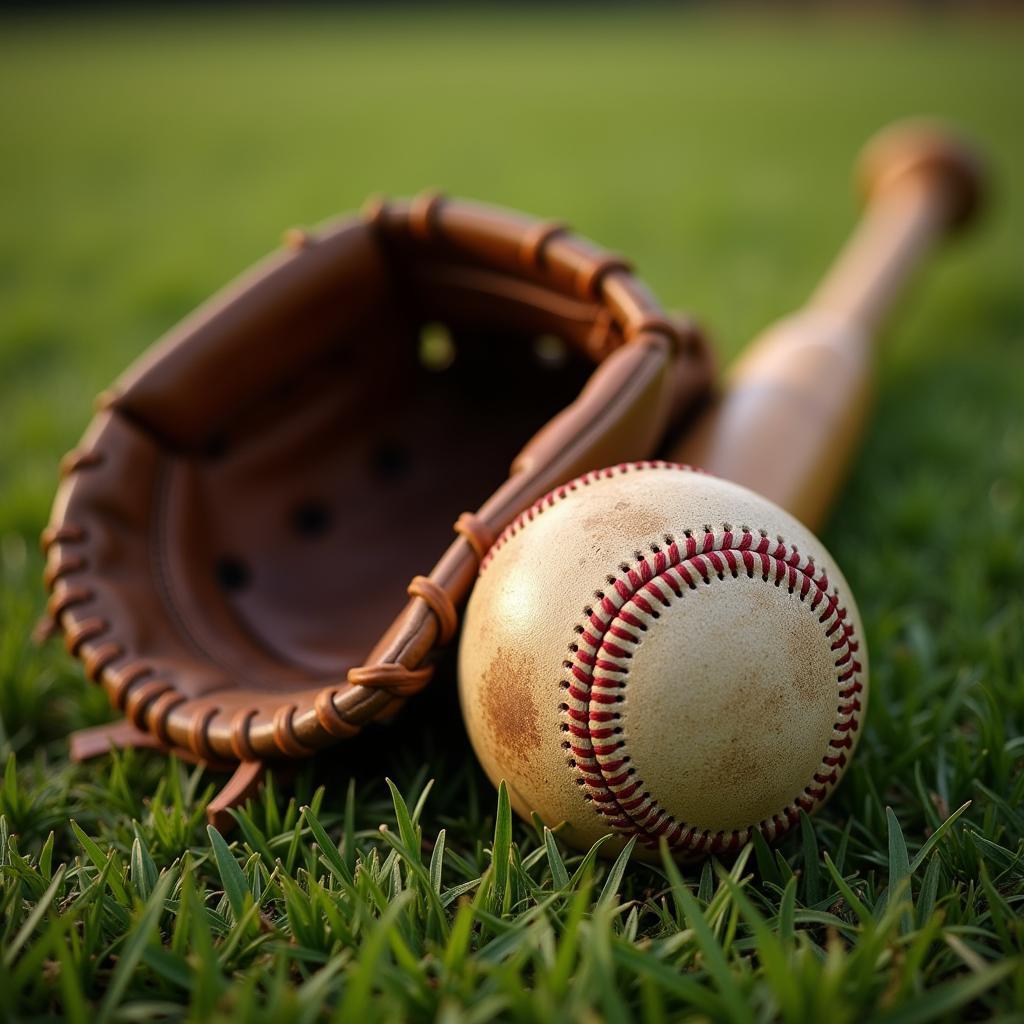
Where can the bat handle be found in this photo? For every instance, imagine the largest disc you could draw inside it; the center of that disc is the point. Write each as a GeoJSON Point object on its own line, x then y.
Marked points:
{"type": "Point", "coordinates": [792, 408]}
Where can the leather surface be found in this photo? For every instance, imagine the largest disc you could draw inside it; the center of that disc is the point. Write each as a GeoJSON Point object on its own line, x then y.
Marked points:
{"type": "Point", "coordinates": [721, 698]}
{"type": "Point", "coordinates": [231, 543]}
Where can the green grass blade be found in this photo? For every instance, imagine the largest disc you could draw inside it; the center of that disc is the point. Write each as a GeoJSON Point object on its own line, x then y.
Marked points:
{"type": "Point", "coordinates": [99, 860]}
{"type": "Point", "coordinates": [46, 858]}
{"type": "Point", "coordinates": [706, 885]}
{"type": "Point", "coordinates": [133, 947]}
{"type": "Point", "coordinates": [589, 860]}
{"type": "Point", "coordinates": [231, 875]}
{"type": "Point", "coordinates": [336, 863]}
{"type": "Point", "coordinates": [787, 911]}
{"type": "Point", "coordinates": [899, 870]}
{"type": "Point", "coordinates": [559, 874]}
{"type": "Point", "coordinates": [348, 835]}
{"type": "Point", "coordinates": [940, 1002]}
{"type": "Point", "coordinates": [565, 956]}
{"type": "Point", "coordinates": [713, 955]}
{"type": "Point", "coordinates": [668, 980]}
{"type": "Point", "coordinates": [766, 866]}
{"type": "Point", "coordinates": [254, 836]}
{"type": "Point", "coordinates": [852, 900]}
{"type": "Point", "coordinates": [811, 860]}
{"type": "Point", "coordinates": [437, 862]}
{"type": "Point", "coordinates": [457, 947]}
{"type": "Point", "coordinates": [501, 850]}
{"type": "Point", "coordinates": [142, 868]}
{"type": "Point", "coordinates": [770, 950]}
{"type": "Point", "coordinates": [936, 837]}
{"type": "Point", "coordinates": [36, 915]}
{"type": "Point", "coordinates": [406, 828]}
{"type": "Point", "coordinates": [610, 890]}
{"type": "Point", "coordinates": [421, 802]}
{"type": "Point", "coordinates": [452, 894]}
{"type": "Point", "coordinates": [928, 896]}
{"type": "Point", "coordinates": [76, 1009]}
{"type": "Point", "coordinates": [356, 1003]}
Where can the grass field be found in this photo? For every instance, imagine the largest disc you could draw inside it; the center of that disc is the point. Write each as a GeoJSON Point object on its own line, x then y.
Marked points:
{"type": "Point", "coordinates": [145, 162]}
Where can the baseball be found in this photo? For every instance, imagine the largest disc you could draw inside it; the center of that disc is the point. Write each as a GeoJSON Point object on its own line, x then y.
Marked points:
{"type": "Point", "coordinates": [651, 651]}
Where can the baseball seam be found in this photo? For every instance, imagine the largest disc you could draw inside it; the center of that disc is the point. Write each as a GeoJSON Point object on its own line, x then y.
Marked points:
{"type": "Point", "coordinates": [558, 493]}
{"type": "Point", "coordinates": [597, 670]}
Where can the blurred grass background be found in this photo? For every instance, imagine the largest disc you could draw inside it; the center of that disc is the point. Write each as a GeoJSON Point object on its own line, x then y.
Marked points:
{"type": "Point", "coordinates": [145, 160]}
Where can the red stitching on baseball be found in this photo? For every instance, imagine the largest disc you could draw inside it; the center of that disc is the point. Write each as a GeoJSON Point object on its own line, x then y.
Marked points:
{"type": "Point", "coordinates": [596, 676]}
{"type": "Point", "coordinates": [556, 494]}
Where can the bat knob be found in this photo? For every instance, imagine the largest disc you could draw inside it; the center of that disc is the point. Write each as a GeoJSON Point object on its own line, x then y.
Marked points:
{"type": "Point", "coordinates": [933, 153]}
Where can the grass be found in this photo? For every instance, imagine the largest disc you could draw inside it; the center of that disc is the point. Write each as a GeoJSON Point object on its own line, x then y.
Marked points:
{"type": "Point", "coordinates": [145, 161]}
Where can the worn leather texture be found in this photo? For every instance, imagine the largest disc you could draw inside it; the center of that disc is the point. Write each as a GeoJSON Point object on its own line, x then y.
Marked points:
{"type": "Point", "coordinates": [231, 545]}
{"type": "Point", "coordinates": [659, 653]}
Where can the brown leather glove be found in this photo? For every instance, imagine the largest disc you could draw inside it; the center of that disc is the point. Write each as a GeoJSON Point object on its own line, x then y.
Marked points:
{"type": "Point", "coordinates": [229, 549]}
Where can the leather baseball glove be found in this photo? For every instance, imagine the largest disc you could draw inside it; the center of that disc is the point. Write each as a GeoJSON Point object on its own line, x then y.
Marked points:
{"type": "Point", "coordinates": [230, 545]}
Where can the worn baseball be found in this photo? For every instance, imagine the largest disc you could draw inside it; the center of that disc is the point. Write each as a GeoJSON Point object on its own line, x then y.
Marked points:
{"type": "Point", "coordinates": [650, 651]}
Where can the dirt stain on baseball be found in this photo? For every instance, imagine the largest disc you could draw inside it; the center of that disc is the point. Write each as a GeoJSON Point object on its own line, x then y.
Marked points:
{"type": "Point", "coordinates": [738, 764]}
{"type": "Point", "coordinates": [640, 521]}
{"type": "Point", "coordinates": [804, 653]}
{"type": "Point", "coordinates": [508, 706]}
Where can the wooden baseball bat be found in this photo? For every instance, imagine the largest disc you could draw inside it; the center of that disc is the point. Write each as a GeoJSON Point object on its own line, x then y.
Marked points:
{"type": "Point", "coordinates": [793, 406]}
